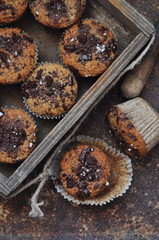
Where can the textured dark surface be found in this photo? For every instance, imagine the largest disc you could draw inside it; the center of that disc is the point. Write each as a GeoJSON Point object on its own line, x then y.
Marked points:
{"type": "Point", "coordinates": [132, 216]}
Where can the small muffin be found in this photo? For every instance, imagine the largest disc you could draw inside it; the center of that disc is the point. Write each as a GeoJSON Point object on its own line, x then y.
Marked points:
{"type": "Point", "coordinates": [50, 91]}
{"type": "Point", "coordinates": [85, 171]}
{"type": "Point", "coordinates": [136, 127]}
{"type": "Point", "coordinates": [88, 47]}
{"type": "Point", "coordinates": [57, 13]}
{"type": "Point", "coordinates": [10, 10]}
{"type": "Point", "coordinates": [18, 55]}
{"type": "Point", "coordinates": [17, 135]}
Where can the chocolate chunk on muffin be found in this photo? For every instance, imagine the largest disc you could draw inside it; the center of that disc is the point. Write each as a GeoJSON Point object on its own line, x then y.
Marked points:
{"type": "Point", "coordinates": [10, 10]}
{"type": "Point", "coordinates": [85, 171]}
{"type": "Point", "coordinates": [18, 55]}
{"type": "Point", "coordinates": [88, 47]}
{"type": "Point", "coordinates": [17, 135]}
{"type": "Point", "coordinates": [57, 13]}
{"type": "Point", "coordinates": [135, 125]}
{"type": "Point", "coordinates": [50, 91]}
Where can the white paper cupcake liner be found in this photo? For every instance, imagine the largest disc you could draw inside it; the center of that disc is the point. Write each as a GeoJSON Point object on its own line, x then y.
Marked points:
{"type": "Point", "coordinates": [120, 178]}
{"type": "Point", "coordinates": [144, 118]}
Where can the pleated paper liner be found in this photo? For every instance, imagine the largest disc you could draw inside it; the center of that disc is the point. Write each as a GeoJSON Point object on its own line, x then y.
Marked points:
{"type": "Point", "coordinates": [145, 119]}
{"type": "Point", "coordinates": [120, 177]}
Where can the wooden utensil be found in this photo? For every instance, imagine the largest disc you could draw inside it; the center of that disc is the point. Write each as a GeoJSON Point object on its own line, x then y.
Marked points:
{"type": "Point", "coordinates": [136, 79]}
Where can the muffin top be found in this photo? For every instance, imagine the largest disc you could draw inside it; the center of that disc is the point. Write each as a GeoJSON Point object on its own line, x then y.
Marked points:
{"type": "Point", "coordinates": [17, 55]}
{"type": "Point", "coordinates": [17, 135]}
{"type": "Point", "coordinates": [85, 171]}
{"type": "Point", "coordinates": [89, 47]}
{"type": "Point", "coordinates": [51, 90]}
{"type": "Point", "coordinates": [11, 10]}
{"type": "Point", "coordinates": [57, 13]}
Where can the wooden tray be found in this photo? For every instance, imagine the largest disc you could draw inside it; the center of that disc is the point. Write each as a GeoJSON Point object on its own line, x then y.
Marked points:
{"type": "Point", "coordinates": [133, 32]}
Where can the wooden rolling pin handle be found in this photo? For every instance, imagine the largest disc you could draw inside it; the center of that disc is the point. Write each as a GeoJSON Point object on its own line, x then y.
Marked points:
{"type": "Point", "coordinates": [136, 79]}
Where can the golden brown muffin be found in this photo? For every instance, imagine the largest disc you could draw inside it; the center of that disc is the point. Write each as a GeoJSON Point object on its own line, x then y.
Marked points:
{"type": "Point", "coordinates": [57, 13]}
{"type": "Point", "coordinates": [85, 171]}
{"type": "Point", "coordinates": [18, 55]}
{"type": "Point", "coordinates": [11, 10]}
{"type": "Point", "coordinates": [50, 91]}
{"type": "Point", "coordinates": [17, 135]}
{"type": "Point", "coordinates": [128, 137]}
{"type": "Point", "coordinates": [88, 47]}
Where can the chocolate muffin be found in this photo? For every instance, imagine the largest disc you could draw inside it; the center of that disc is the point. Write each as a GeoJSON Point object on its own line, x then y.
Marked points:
{"type": "Point", "coordinates": [135, 125]}
{"type": "Point", "coordinates": [85, 171]}
{"type": "Point", "coordinates": [50, 91]}
{"type": "Point", "coordinates": [89, 47]}
{"type": "Point", "coordinates": [17, 135]}
{"type": "Point", "coordinates": [57, 13]}
{"type": "Point", "coordinates": [18, 55]}
{"type": "Point", "coordinates": [10, 10]}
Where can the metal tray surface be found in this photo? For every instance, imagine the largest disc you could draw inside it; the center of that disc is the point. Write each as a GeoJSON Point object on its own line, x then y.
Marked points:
{"type": "Point", "coordinates": [132, 32]}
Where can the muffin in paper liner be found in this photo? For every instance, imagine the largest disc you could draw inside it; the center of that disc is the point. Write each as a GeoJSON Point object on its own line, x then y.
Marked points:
{"type": "Point", "coordinates": [136, 125]}
{"type": "Point", "coordinates": [77, 49]}
{"type": "Point", "coordinates": [28, 144]}
{"type": "Point", "coordinates": [120, 172]}
{"type": "Point", "coordinates": [73, 91]}
{"type": "Point", "coordinates": [57, 14]}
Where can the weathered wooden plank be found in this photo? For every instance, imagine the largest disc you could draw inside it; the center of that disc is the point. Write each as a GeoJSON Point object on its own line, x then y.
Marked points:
{"type": "Point", "coordinates": [133, 15]}
{"type": "Point", "coordinates": [4, 188]}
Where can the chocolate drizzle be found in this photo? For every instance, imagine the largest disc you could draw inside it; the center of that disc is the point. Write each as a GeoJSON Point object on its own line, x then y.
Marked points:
{"type": "Point", "coordinates": [12, 135]}
{"type": "Point", "coordinates": [12, 45]}
{"type": "Point", "coordinates": [88, 171]}
{"type": "Point", "coordinates": [127, 148]}
{"type": "Point", "coordinates": [89, 43]}
{"type": "Point", "coordinates": [56, 9]}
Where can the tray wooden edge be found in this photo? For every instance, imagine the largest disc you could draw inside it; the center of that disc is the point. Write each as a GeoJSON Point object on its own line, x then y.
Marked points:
{"type": "Point", "coordinates": [134, 16]}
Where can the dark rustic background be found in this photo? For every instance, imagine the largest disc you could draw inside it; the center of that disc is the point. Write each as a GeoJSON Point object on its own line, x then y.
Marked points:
{"type": "Point", "coordinates": [132, 216]}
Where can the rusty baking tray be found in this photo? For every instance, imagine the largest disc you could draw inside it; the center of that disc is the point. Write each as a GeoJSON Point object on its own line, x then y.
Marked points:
{"type": "Point", "coordinates": [132, 31]}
